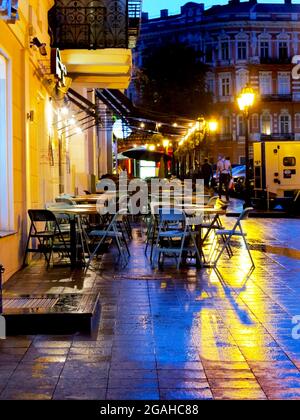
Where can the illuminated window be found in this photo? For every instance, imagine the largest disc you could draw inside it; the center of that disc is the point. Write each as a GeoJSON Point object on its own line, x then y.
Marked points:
{"type": "Point", "coordinates": [147, 169]}
{"type": "Point", "coordinates": [266, 124]}
{"type": "Point", "coordinates": [5, 151]}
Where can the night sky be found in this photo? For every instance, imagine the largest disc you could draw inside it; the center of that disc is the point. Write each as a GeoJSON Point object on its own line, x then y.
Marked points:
{"type": "Point", "coordinates": [154, 6]}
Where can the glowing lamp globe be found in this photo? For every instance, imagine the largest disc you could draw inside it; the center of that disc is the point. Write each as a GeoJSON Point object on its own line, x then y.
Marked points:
{"type": "Point", "coordinates": [121, 130]}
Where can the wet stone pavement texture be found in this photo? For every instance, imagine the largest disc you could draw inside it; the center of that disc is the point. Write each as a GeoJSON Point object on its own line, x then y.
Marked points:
{"type": "Point", "coordinates": [168, 334]}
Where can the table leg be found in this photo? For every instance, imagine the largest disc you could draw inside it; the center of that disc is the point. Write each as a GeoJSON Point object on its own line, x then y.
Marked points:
{"type": "Point", "coordinates": [73, 242]}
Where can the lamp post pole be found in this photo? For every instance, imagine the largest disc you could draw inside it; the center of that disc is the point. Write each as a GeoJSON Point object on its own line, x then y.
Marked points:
{"type": "Point", "coordinates": [247, 161]}
{"type": "Point", "coordinates": [245, 101]}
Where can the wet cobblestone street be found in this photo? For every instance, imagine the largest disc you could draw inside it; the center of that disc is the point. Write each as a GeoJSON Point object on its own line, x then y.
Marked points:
{"type": "Point", "coordinates": [170, 335]}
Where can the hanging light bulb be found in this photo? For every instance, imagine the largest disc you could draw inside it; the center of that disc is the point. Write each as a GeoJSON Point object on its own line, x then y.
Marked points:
{"type": "Point", "coordinates": [64, 110]}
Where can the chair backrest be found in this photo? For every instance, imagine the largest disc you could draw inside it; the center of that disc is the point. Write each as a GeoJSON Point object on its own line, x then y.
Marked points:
{"type": "Point", "coordinates": [41, 215]}
{"type": "Point", "coordinates": [171, 214]}
{"type": "Point", "coordinates": [244, 215]}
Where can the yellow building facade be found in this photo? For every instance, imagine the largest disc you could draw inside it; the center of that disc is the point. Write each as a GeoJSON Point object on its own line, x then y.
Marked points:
{"type": "Point", "coordinates": [38, 158]}
{"type": "Point", "coordinates": [25, 109]}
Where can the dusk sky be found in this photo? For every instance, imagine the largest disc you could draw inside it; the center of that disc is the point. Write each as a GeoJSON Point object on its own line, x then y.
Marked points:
{"type": "Point", "coordinates": [154, 6]}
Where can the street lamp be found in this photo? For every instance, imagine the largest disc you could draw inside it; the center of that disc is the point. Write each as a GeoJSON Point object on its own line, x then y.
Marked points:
{"type": "Point", "coordinates": [212, 126]}
{"type": "Point", "coordinates": [245, 102]}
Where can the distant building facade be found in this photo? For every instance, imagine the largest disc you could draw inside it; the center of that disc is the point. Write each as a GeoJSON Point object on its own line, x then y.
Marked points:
{"type": "Point", "coordinates": [241, 42]}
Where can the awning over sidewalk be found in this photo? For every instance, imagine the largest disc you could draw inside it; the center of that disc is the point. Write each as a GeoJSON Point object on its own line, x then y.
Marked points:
{"type": "Point", "coordinates": [84, 114]}
{"type": "Point", "coordinates": [121, 105]}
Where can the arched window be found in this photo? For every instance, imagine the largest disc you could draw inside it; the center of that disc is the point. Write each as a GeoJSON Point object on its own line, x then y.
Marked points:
{"type": "Point", "coordinates": [285, 123]}
{"type": "Point", "coordinates": [266, 124]}
{"type": "Point", "coordinates": [6, 215]}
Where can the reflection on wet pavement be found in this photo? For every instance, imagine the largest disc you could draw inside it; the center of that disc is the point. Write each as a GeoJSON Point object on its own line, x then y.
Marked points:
{"type": "Point", "coordinates": [167, 334]}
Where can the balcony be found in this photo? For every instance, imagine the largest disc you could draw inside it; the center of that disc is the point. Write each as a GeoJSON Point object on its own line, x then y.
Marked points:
{"type": "Point", "coordinates": [275, 60]}
{"type": "Point", "coordinates": [95, 39]}
{"type": "Point", "coordinates": [277, 98]}
{"type": "Point", "coordinates": [278, 136]}
{"type": "Point", "coordinates": [86, 24]}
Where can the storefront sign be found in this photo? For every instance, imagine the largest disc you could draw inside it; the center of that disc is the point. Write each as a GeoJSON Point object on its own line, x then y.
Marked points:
{"type": "Point", "coordinates": [58, 69]}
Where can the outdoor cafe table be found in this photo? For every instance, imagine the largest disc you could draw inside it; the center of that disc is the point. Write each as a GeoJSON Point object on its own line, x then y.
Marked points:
{"type": "Point", "coordinates": [92, 199]}
{"type": "Point", "coordinates": [74, 212]}
{"type": "Point", "coordinates": [213, 221]}
{"type": "Point", "coordinates": [191, 210]}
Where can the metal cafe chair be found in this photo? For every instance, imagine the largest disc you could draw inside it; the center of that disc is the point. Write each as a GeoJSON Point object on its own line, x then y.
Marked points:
{"type": "Point", "coordinates": [174, 228]}
{"type": "Point", "coordinates": [213, 223]}
{"type": "Point", "coordinates": [45, 235]}
{"type": "Point", "coordinates": [113, 232]}
{"type": "Point", "coordinates": [236, 231]}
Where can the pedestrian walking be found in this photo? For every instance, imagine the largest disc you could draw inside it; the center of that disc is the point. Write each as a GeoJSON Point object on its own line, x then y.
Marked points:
{"type": "Point", "coordinates": [224, 171]}
{"type": "Point", "coordinates": [207, 175]}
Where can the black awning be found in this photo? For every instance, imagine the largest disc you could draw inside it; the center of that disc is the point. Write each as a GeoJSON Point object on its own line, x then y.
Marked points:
{"type": "Point", "coordinates": [85, 114]}
{"type": "Point", "coordinates": [82, 103]}
{"type": "Point", "coordinates": [121, 105]}
{"type": "Point", "coordinates": [117, 102]}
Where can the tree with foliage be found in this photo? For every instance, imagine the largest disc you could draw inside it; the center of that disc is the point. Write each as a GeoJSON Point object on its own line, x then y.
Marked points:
{"type": "Point", "coordinates": [172, 81]}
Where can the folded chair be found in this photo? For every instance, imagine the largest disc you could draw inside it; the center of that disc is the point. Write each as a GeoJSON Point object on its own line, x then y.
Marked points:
{"type": "Point", "coordinates": [236, 231]}
{"type": "Point", "coordinates": [112, 231]}
{"type": "Point", "coordinates": [173, 228]}
{"type": "Point", "coordinates": [45, 230]}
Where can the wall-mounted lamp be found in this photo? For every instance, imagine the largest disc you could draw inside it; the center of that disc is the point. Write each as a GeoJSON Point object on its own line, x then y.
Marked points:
{"type": "Point", "coordinates": [30, 116]}
{"type": "Point", "coordinates": [35, 42]}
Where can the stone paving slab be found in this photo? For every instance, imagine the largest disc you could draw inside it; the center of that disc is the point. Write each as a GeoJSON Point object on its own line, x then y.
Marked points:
{"type": "Point", "coordinates": [168, 334]}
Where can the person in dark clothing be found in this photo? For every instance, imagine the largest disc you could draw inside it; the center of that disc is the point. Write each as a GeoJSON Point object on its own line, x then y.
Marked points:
{"type": "Point", "coordinates": [224, 172]}
{"type": "Point", "coordinates": [207, 173]}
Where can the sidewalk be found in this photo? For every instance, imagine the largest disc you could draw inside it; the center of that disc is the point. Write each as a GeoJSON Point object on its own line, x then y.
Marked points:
{"type": "Point", "coordinates": [169, 335]}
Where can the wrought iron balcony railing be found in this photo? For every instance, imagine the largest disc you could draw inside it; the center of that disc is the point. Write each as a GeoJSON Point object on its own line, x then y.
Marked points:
{"type": "Point", "coordinates": [86, 24]}
{"type": "Point", "coordinates": [277, 97]}
{"type": "Point", "coordinates": [278, 136]}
